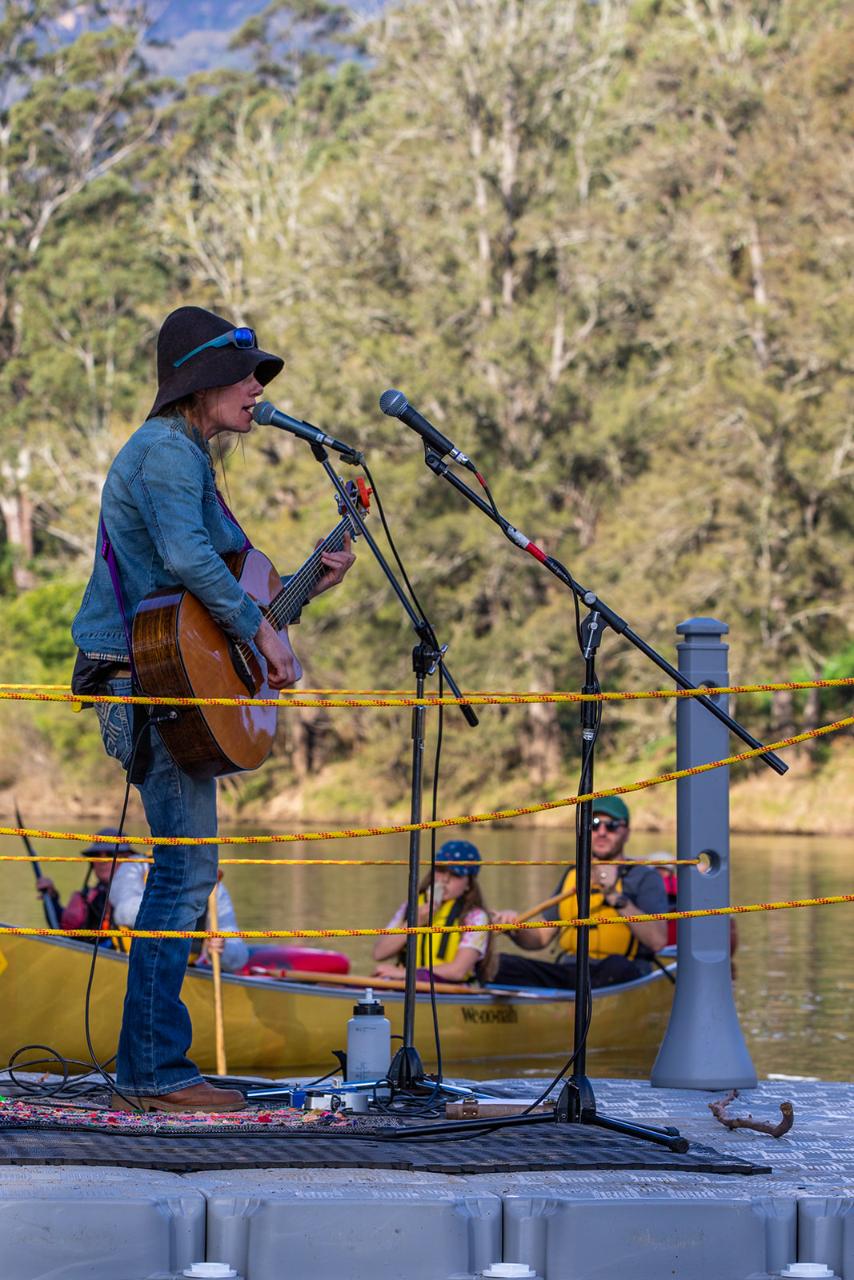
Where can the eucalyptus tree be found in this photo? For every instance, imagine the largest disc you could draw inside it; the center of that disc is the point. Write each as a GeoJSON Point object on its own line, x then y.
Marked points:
{"type": "Point", "coordinates": [737, 190]}
{"type": "Point", "coordinates": [77, 107]}
{"type": "Point", "coordinates": [571, 234]}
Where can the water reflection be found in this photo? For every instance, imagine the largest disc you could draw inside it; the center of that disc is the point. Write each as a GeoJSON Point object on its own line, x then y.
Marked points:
{"type": "Point", "coordinates": [794, 984]}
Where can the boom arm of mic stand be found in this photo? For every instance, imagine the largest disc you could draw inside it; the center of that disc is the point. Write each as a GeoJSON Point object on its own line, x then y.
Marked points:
{"type": "Point", "coordinates": [420, 625]}
{"type": "Point", "coordinates": [592, 601]}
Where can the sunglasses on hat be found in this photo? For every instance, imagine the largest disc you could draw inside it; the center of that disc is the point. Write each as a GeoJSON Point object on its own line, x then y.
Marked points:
{"type": "Point", "coordinates": [242, 337]}
{"type": "Point", "coordinates": [610, 824]}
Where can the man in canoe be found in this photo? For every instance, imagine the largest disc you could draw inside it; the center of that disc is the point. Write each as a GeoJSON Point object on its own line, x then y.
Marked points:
{"type": "Point", "coordinates": [620, 949]}
{"type": "Point", "coordinates": [164, 525]}
{"type": "Point", "coordinates": [85, 907]}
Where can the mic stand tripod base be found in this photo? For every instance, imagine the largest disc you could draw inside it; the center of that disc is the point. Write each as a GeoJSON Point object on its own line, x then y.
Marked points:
{"type": "Point", "coordinates": [577, 1105]}
{"type": "Point", "coordinates": [406, 1075]}
{"type": "Point", "coordinates": [406, 1070]}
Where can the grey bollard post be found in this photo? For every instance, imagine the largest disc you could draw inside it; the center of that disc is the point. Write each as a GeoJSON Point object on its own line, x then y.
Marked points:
{"type": "Point", "coordinates": [703, 1047]}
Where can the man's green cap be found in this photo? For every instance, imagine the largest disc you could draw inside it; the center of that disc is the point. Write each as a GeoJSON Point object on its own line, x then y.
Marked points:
{"type": "Point", "coordinates": [614, 806]}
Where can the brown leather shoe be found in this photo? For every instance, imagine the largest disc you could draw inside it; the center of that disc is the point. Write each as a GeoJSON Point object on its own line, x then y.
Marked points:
{"type": "Point", "coordinates": [196, 1097]}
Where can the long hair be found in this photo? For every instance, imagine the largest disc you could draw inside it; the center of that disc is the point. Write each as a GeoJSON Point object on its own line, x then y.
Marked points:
{"type": "Point", "coordinates": [186, 413]}
{"type": "Point", "coordinates": [486, 968]}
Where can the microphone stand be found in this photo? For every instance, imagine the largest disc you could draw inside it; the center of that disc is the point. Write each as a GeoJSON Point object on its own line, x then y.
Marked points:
{"type": "Point", "coordinates": [406, 1072]}
{"type": "Point", "coordinates": [577, 1102]}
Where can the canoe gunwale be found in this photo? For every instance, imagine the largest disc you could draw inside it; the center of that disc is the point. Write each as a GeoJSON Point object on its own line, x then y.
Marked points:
{"type": "Point", "coordinates": [490, 995]}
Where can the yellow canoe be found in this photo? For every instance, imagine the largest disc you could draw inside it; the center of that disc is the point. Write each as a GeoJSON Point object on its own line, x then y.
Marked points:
{"type": "Point", "coordinates": [280, 1027]}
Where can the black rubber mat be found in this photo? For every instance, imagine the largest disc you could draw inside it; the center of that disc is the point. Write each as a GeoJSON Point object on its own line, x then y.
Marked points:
{"type": "Point", "coordinates": [504, 1151]}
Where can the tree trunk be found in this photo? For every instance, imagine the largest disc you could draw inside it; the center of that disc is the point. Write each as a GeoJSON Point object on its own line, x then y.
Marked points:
{"type": "Point", "coordinates": [783, 716]}
{"type": "Point", "coordinates": [17, 512]}
{"type": "Point", "coordinates": [541, 738]}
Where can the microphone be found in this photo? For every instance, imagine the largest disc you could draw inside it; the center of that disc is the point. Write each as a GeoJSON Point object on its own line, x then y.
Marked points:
{"type": "Point", "coordinates": [267, 415]}
{"type": "Point", "coordinates": [395, 405]}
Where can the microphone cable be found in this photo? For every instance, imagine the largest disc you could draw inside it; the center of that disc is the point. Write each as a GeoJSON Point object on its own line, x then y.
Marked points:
{"type": "Point", "coordinates": [449, 1130]}
{"type": "Point", "coordinates": [587, 749]}
{"type": "Point", "coordinates": [431, 1100]}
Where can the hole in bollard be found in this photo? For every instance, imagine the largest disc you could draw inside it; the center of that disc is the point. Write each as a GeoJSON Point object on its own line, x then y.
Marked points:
{"type": "Point", "coordinates": [708, 862]}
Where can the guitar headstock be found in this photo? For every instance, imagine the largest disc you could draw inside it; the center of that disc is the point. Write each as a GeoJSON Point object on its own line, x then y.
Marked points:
{"type": "Point", "coordinates": [360, 496]}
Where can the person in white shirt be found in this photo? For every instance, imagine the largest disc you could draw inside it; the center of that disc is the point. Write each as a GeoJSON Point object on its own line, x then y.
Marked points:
{"type": "Point", "coordinates": [126, 895]}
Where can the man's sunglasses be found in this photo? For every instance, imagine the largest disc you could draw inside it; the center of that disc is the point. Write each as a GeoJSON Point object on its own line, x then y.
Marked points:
{"type": "Point", "coordinates": [610, 824]}
{"type": "Point", "coordinates": [243, 338]}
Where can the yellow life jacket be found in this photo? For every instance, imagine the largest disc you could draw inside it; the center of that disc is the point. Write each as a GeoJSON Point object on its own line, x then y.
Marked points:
{"type": "Point", "coordinates": [613, 938]}
{"type": "Point", "coordinates": [440, 948]}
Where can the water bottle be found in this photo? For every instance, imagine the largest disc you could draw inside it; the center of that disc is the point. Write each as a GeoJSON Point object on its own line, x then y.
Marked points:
{"type": "Point", "coordinates": [368, 1040]}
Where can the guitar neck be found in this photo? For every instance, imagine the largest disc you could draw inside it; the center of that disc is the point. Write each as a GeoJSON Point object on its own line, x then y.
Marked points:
{"type": "Point", "coordinates": [285, 606]}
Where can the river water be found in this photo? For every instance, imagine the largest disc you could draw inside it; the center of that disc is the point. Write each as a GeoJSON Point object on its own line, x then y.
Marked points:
{"type": "Point", "coordinates": [795, 969]}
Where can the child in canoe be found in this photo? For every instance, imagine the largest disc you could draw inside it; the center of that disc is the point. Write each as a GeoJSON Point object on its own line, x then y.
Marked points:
{"type": "Point", "coordinates": [467, 956]}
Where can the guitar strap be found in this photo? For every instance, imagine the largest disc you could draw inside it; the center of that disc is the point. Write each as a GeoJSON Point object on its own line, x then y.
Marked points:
{"type": "Point", "coordinates": [108, 554]}
{"type": "Point", "coordinates": [140, 717]}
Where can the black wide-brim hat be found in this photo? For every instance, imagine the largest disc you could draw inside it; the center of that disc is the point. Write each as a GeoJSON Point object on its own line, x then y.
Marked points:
{"type": "Point", "coordinates": [184, 330]}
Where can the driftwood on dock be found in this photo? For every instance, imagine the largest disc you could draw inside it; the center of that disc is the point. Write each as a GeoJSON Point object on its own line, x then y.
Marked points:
{"type": "Point", "coordinates": [787, 1111]}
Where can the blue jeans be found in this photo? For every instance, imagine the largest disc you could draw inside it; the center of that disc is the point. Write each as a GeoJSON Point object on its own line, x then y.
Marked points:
{"type": "Point", "coordinates": [156, 1030]}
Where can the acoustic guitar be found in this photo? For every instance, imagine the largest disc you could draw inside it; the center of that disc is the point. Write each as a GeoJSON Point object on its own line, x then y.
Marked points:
{"type": "Point", "coordinates": [180, 651]}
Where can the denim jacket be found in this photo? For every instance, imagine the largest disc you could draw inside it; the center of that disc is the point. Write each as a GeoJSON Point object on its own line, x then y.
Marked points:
{"type": "Point", "coordinates": [160, 509]}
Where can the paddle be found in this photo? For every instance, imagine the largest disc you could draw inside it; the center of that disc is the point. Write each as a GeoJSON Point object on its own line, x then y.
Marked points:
{"type": "Point", "coordinates": [216, 967]}
{"type": "Point", "coordinates": [543, 906]}
{"type": "Point", "coordinates": [48, 902]}
{"type": "Point", "coordinates": [358, 980]}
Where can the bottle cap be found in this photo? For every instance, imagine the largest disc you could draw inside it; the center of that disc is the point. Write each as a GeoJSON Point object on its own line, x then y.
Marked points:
{"type": "Point", "coordinates": [369, 1006]}
{"type": "Point", "coordinates": [509, 1271]}
{"type": "Point", "coordinates": [211, 1271]}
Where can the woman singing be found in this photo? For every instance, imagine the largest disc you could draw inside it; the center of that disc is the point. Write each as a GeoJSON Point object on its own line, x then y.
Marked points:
{"type": "Point", "coordinates": [168, 527]}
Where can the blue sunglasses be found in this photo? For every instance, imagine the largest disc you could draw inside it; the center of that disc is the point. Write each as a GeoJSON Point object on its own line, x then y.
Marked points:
{"type": "Point", "coordinates": [243, 338]}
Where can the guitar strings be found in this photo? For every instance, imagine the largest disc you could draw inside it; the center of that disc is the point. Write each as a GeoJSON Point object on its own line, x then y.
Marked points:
{"type": "Point", "coordinates": [285, 599]}
{"type": "Point", "coordinates": [279, 608]}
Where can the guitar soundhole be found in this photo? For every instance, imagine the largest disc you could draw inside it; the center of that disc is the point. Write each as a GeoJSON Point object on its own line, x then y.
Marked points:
{"type": "Point", "coordinates": [241, 666]}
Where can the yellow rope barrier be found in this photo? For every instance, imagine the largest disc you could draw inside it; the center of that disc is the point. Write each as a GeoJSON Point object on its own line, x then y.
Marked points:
{"type": "Point", "coordinates": [403, 930]}
{"type": "Point", "coordinates": [841, 681]}
{"type": "Point", "coordinates": [283, 693]}
{"type": "Point", "coordinates": [473, 699]}
{"type": "Point", "coordinates": [360, 862]}
{"type": "Point", "coordinates": [438, 823]}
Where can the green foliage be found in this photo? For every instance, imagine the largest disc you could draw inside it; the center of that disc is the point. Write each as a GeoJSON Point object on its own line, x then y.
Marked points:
{"type": "Point", "coordinates": [37, 628]}
{"type": "Point", "coordinates": [605, 247]}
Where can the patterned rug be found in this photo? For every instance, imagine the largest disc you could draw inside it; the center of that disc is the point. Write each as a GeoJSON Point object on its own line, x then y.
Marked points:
{"type": "Point", "coordinates": [77, 1117]}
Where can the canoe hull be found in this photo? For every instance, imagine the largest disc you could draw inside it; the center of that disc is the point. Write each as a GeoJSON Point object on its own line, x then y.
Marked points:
{"type": "Point", "coordinates": [279, 1027]}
